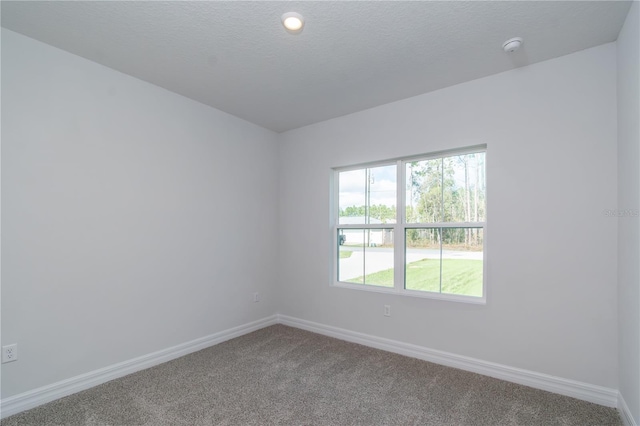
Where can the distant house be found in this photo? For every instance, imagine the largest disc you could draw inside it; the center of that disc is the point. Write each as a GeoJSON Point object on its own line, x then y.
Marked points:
{"type": "Point", "coordinates": [366, 237]}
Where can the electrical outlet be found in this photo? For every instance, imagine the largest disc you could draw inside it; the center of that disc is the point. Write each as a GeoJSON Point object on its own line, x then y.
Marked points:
{"type": "Point", "coordinates": [256, 297]}
{"type": "Point", "coordinates": [387, 310]}
{"type": "Point", "coordinates": [10, 353]}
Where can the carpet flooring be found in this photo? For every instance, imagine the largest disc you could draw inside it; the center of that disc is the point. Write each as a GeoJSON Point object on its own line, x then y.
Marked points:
{"type": "Point", "coordinates": [285, 376]}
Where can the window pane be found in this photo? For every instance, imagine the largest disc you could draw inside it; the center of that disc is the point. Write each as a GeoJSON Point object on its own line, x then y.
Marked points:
{"type": "Point", "coordinates": [464, 188]}
{"type": "Point", "coordinates": [366, 256]}
{"type": "Point", "coordinates": [422, 259]}
{"type": "Point", "coordinates": [424, 191]}
{"type": "Point", "coordinates": [382, 194]}
{"type": "Point", "coordinates": [462, 261]}
{"type": "Point", "coordinates": [351, 198]}
{"type": "Point", "coordinates": [350, 254]}
{"type": "Point", "coordinates": [378, 265]}
{"type": "Point", "coordinates": [368, 195]}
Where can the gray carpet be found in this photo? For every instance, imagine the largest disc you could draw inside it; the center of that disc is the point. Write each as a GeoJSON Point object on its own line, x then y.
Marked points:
{"type": "Point", "coordinates": [281, 375]}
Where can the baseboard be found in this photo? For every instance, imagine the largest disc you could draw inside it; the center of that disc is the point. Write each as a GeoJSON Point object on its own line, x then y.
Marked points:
{"type": "Point", "coordinates": [33, 398]}
{"type": "Point", "coordinates": [584, 391]}
{"type": "Point", "coordinates": [625, 413]}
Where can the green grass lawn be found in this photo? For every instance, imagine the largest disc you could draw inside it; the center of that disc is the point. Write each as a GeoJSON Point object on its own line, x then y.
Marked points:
{"type": "Point", "coordinates": [459, 276]}
{"type": "Point", "coordinates": [345, 254]}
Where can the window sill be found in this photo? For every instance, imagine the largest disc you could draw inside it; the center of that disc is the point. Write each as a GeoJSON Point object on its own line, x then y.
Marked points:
{"type": "Point", "coordinates": [413, 293]}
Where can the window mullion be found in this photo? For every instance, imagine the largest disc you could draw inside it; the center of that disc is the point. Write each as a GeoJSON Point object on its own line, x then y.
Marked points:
{"type": "Point", "coordinates": [399, 233]}
{"type": "Point", "coordinates": [365, 241]}
{"type": "Point", "coordinates": [441, 218]}
{"type": "Point", "coordinates": [441, 238]}
{"type": "Point", "coordinates": [335, 220]}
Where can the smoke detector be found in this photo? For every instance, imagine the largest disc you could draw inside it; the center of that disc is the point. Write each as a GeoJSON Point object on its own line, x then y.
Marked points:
{"type": "Point", "coordinates": [512, 44]}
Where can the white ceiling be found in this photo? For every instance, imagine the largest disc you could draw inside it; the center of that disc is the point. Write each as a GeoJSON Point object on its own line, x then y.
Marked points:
{"type": "Point", "coordinates": [236, 56]}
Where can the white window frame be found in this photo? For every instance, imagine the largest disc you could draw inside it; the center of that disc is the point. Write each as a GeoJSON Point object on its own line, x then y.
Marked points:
{"type": "Point", "coordinates": [400, 227]}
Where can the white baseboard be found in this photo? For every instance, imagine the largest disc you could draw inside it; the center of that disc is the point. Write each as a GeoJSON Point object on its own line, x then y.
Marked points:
{"type": "Point", "coordinates": [33, 398]}
{"type": "Point", "coordinates": [625, 413]}
{"type": "Point", "coordinates": [584, 391]}
{"type": "Point", "coordinates": [592, 393]}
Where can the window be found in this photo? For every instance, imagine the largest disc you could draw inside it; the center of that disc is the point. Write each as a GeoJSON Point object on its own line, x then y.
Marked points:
{"type": "Point", "coordinates": [433, 245]}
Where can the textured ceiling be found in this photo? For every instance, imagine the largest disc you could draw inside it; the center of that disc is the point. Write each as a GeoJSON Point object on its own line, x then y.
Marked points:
{"type": "Point", "coordinates": [235, 56]}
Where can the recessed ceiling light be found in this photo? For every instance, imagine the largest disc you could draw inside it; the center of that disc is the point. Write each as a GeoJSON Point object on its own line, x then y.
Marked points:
{"type": "Point", "coordinates": [512, 44]}
{"type": "Point", "coordinates": [293, 22]}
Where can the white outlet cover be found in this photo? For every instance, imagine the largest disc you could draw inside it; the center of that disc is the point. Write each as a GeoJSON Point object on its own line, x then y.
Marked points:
{"type": "Point", "coordinates": [10, 353]}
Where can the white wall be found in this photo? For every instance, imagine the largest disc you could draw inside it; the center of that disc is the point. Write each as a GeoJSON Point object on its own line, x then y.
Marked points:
{"type": "Point", "coordinates": [629, 199]}
{"type": "Point", "coordinates": [133, 218]}
{"type": "Point", "coordinates": [551, 171]}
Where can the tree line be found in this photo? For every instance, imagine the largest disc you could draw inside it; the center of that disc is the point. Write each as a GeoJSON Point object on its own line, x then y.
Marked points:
{"type": "Point", "coordinates": [449, 189]}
